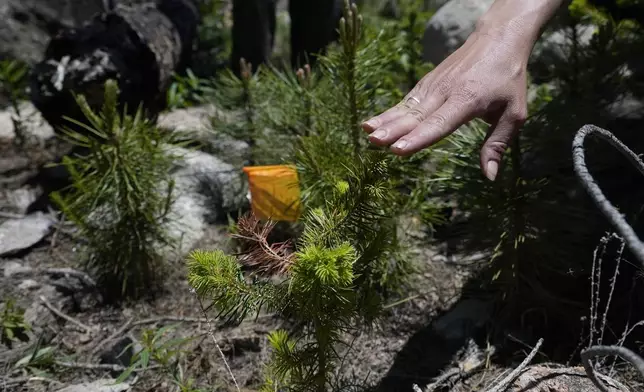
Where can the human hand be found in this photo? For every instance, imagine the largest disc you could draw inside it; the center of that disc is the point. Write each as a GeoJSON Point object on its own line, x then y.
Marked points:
{"type": "Point", "coordinates": [485, 78]}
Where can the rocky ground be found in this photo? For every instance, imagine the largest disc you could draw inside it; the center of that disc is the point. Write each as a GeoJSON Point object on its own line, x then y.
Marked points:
{"type": "Point", "coordinates": [436, 329]}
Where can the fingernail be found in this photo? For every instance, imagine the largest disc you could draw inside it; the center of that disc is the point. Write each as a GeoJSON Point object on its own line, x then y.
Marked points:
{"type": "Point", "coordinates": [400, 144]}
{"type": "Point", "coordinates": [379, 134]}
{"type": "Point", "coordinates": [492, 170]}
{"type": "Point", "coordinates": [371, 123]}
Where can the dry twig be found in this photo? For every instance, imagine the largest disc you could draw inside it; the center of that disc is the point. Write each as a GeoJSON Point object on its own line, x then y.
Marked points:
{"type": "Point", "coordinates": [503, 384]}
{"type": "Point", "coordinates": [70, 272]}
{"type": "Point", "coordinates": [214, 339]}
{"type": "Point", "coordinates": [65, 317]}
{"type": "Point", "coordinates": [97, 366]}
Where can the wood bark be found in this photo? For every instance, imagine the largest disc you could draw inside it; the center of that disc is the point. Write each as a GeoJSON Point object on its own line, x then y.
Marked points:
{"type": "Point", "coordinates": [140, 45]}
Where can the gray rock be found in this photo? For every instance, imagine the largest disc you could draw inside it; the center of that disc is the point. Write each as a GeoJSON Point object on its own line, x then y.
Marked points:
{"type": "Point", "coordinates": [194, 124]}
{"type": "Point", "coordinates": [104, 385]}
{"type": "Point", "coordinates": [28, 24]}
{"type": "Point", "coordinates": [540, 378]}
{"type": "Point", "coordinates": [21, 234]}
{"type": "Point", "coordinates": [627, 108]}
{"type": "Point", "coordinates": [37, 315]}
{"type": "Point", "coordinates": [14, 163]}
{"type": "Point", "coordinates": [555, 47]}
{"type": "Point", "coordinates": [206, 188]}
{"type": "Point", "coordinates": [12, 268]}
{"type": "Point", "coordinates": [19, 200]}
{"type": "Point", "coordinates": [28, 284]}
{"type": "Point", "coordinates": [35, 126]}
{"type": "Point", "coordinates": [450, 27]}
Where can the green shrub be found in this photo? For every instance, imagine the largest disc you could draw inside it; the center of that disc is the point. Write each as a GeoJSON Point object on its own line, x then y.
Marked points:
{"type": "Point", "coordinates": [120, 196]}
{"type": "Point", "coordinates": [333, 282]}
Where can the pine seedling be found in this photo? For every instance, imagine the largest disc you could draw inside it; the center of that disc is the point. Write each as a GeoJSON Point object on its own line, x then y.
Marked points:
{"type": "Point", "coordinates": [332, 282]}
{"type": "Point", "coordinates": [120, 196]}
{"type": "Point", "coordinates": [238, 94]}
{"type": "Point", "coordinates": [286, 113]}
{"type": "Point", "coordinates": [335, 277]}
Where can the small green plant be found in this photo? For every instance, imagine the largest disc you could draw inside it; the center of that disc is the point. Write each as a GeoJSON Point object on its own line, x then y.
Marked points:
{"type": "Point", "coordinates": [187, 91]}
{"type": "Point", "coordinates": [120, 196]}
{"type": "Point", "coordinates": [238, 94]}
{"type": "Point", "coordinates": [160, 349]}
{"type": "Point", "coordinates": [13, 85]}
{"type": "Point", "coordinates": [13, 326]}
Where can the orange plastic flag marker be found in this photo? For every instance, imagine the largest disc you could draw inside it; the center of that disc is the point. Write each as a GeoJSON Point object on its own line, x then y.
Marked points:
{"type": "Point", "coordinates": [274, 192]}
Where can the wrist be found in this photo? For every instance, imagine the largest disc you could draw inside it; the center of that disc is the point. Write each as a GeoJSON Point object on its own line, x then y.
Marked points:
{"type": "Point", "coordinates": [518, 23]}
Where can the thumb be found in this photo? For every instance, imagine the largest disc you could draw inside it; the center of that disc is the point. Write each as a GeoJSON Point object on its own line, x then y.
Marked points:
{"type": "Point", "coordinates": [499, 138]}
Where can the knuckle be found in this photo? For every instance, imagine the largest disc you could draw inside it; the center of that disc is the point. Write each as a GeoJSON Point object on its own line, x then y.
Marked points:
{"type": "Point", "coordinates": [497, 146]}
{"type": "Point", "coordinates": [468, 92]}
{"type": "Point", "coordinates": [417, 113]}
{"type": "Point", "coordinates": [518, 116]}
{"type": "Point", "coordinates": [436, 120]}
{"type": "Point", "coordinates": [444, 86]}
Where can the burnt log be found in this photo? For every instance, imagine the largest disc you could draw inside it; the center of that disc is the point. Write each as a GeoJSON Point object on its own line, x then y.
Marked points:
{"type": "Point", "coordinates": [140, 45]}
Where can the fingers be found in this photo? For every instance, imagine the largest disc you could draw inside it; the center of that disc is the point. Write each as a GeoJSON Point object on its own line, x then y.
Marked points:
{"type": "Point", "coordinates": [500, 136]}
{"type": "Point", "coordinates": [374, 123]}
{"type": "Point", "coordinates": [443, 121]}
{"type": "Point", "coordinates": [415, 99]}
{"type": "Point", "coordinates": [413, 114]}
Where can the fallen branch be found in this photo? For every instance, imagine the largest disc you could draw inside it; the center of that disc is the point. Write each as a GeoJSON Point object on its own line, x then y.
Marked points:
{"type": "Point", "coordinates": [70, 272]}
{"type": "Point", "coordinates": [458, 371]}
{"type": "Point", "coordinates": [503, 384]}
{"type": "Point", "coordinates": [97, 366]}
{"type": "Point", "coordinates": [442, 379]}
{"type": "Point", "coordinates": [120, 332]}
{"type": "Point", "coordinates": [63, 316]}
{"type": "Point", "coordinates": [619, 351]}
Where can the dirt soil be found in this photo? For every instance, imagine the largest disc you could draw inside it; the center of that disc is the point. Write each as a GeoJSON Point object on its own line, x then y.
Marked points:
{"type": "Point", "coordinates": [430, 329]}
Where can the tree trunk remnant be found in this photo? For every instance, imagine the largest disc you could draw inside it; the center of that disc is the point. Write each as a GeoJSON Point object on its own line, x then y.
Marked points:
{"type": "Point", "coordinates": [140, 45]}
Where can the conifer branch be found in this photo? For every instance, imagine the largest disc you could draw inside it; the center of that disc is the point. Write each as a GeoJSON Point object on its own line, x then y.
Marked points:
{"type": "Point", "coordinates": [257, 252]}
